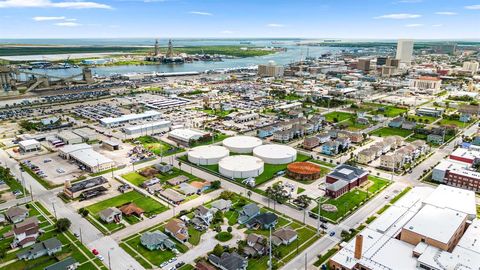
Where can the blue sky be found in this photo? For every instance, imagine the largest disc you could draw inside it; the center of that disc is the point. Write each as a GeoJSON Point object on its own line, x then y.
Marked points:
{"type": "Point", "coordinates": [356, 19]}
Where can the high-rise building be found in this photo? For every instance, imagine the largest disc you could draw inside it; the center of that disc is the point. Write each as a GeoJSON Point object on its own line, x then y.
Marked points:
{"type": "Point", "coordinates": [391, 62]}
{"type": "Point", "coordinates": [270, 70]}
{"type": "Point", "coordinates": [381, 61]}
{"type": "Point", "coordinates": [363, 64]}
{"type": "Point", "coordinates": [405, 51]}
{"type": "Point", "coordinates": [471, 67]}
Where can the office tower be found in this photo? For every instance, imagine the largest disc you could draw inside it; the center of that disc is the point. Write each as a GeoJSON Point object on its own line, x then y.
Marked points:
{"type": "Point", "coordinates": [392, 62]}
{"type": "Point", "coordinates": [270, 70]}
{"type": "Point", "coordinates": [363, 64]}
{"type": "Point", "coordinates": [471, 67]}
{"type": "Point", "coordinates": [381, 61]}
{"type": "Point", "coordinates": [405, 51]}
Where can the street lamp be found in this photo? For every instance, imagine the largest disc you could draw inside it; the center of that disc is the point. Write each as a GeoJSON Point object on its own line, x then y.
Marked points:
{"type": "Point", "coordinates": [319, 205]}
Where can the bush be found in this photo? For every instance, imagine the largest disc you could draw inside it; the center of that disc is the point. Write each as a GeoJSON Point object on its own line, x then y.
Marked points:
{"type": "Point", "coordinates": [223, 236]}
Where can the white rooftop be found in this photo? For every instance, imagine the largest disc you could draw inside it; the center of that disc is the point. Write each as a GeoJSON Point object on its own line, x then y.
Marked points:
{"type": "Point", "coordinates": [186, 134]}
{"type": "Point", "coordinates": [129, 117]}
{"type": "Point", "coordinates": [26, 143]}
{"type": "Point", "coordinates": [436, 223]}
{"type": "Point", "coordinates": [457, 199]}
{"type": "Point", "coordinates": [90, 157]}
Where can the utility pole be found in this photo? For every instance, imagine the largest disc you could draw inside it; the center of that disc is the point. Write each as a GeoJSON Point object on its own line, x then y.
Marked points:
{"type": "Point", "coordinates": [81, 238]}
{"type": "Point", "coordinates": [31, 193]}
{"type": "Point", "coordinates": [109, 264]}
{"type": "Point", "coordinates": [270, 250]}
{"type": "Point", "coordinates": [54, 210]}
{"type": "Point", "coordinates": [318, 218]}
{"type": "Point", "coordinates": [305, 261]}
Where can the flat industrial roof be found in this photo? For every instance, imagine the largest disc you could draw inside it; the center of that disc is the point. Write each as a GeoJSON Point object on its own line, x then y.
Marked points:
{"type": "Point", "coordinates": [129, 117]}
{"type": "Point", "coordinates": [457, 199]}
{"type": "Point", "coordinates": [26, 143]}
{"type": "Point", "coordinates": [90, 157]}
{"type": "Point", "coordinates": [436, 223]}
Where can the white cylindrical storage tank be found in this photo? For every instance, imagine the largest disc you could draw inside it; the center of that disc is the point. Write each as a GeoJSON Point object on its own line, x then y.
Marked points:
{"type": "Point", "coordinates": [275, 153]}
{"type": "Point", "coordinates": [240, 166]}
{"type": "Point", "coordinates": [207, 154]}
{"type": "Point", "coordinates": [242, 144]}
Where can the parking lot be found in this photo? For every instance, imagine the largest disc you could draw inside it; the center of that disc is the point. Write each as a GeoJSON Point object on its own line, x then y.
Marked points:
{"type": "Point", "coordinates": [56, 169]}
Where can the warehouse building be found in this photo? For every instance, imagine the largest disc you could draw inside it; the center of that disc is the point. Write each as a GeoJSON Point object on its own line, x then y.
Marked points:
{"type": "Point", "coordinates": [149, 128]}
{"type": "Point", "coordinates": [86, 133]}
{"type": "Point", "coordinates": [86, 188]}
{"type": "Point", "coordinates": [128, 118]}
{"type": "Point", "coordinates": [68, 137]}
{"type": "Point", "coordinates": [84, 155]}
{"type": "Point", "coordinates": [184, 135]}
{"type": "Point", "coordinates": [29, 145]}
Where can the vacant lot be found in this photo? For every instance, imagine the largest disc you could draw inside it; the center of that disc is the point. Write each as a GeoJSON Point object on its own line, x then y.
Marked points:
{"type": "Point", "coordinates": [338, 116]}
{"type": "Point", "coordinates": [388, 131]}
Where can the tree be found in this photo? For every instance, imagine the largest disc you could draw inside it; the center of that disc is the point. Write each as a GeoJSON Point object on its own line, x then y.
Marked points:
{"type": "Point", "coordinates": [216, 184]}
{"type": "Point", "coordinates": [277, 193]}
{"type": "Point", "coordinates": [302, 201]}
{"type": "Point", "coordinates": [218, 217]}
{"type": "Point", "coordinates": [63, 224]}
{"type": "Point", "coordinates": [218, 250]}
{"type": "Point", "coordinates": [229, 229]}
{"type": "Point", "coordinates": [3, 252]}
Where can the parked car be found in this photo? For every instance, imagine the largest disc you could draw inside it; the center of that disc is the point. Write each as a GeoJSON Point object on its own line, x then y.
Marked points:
{"type": "Point", "coordinates": [95, 252]}
{"type": "Point", "coordinates": [332, 233]}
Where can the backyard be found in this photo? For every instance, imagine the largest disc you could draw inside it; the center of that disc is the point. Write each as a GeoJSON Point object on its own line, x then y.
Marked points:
{"type": "Point", "coordinates": [149, 205]}
{"type": "Point", "coordinates": [336, 117]}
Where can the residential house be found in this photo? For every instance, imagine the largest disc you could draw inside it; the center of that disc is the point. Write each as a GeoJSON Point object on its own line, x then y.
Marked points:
{"type": "Point", "coordinates": [228, 261]}
{"type": "Point", "coordinates": [111, 214]}
{"type": "Point", "coordinates": [284, 236]}
{"type": "Point", "coordinates": [203, 265]}
{"type": "Point", "coordinates": [204, 214]}
{"type": "Point", "coordinates": [324, 137]}
{"type": "Point", "coordinates": [66, 264]}
{"type": "Point", "coordinates": [330, 148]}
{"type": "Point", "coordinates": [24, 233]}
{"type": "Point", "coordinates": [201, 186]}
{"type": "Point", "coordinates": [344, 142]}
{"type": "Point", "coordinates": [150, 182]}
{"type": "Point", "coordinates": [378, 118]}
{"type": "Point", "coordinates": [256, 245]}
{"type": "Point", "coordinates": [264, 220]}
{"type": "Point", "coordinates": [266, 132]}
{"type": "Point", "coordinates": [362, 121]}
{"type": "Point", "coordinates": [397, 122]}
{"type": "Point", "coordinates": [248, 212]}
{"type": "Point", "coordinates": [383, 146]}
{"type": "Point", "coordinates": [16, 214]}
{"type": "Point", "coordinates": [365, 156]}
{"type": "Point", "coordinates": [356, 137]}
{"type": "Point", "coordinates": [172, 196]}
{"type": "Point", "coordinates": [409, 125]}
{"type": "Point", "coordinates": [465, 117]}
{"type": "Point", "coordinates": [435, 139]}
{"type": "Point", "coordinates": [422, 146]}
{"type": "Point", "coordinates": [377, 150]}
{"type": "Point", "coordinates": [129, 209]}
{"type": "Point", "coordinates": [156, 240]}
{"type": "Point", "coordinates": [163, 167]}
{"type": "Point", "coordinates": [177, 229]}
{"type": "Point", "coordinates": [311, 142]}
{"type": "Point", "coordinates": [187, 189]}
{"type": "Point", "coordinates": [178, 180]}
{"type": "Point", "coordinates": [391, 161]}
{"type": "Point", "coordinates": [47, 247]}
{"type": "Point", "coordinates": [222, 205]}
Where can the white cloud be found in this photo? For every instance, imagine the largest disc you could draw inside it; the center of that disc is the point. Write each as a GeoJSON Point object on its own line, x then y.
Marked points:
{"type": "Point", "coordinates": [399, 16]}
{"type": "Point", "coordinates": [226, 32]}
{"type": "Point", "coordinates": [67, 24]}
{"type": "Point", "coordinates": [201, 13]}
{"type": "Point", "coordinates": [437, 25]}
{"type": "Point", "coordinates": [473, 7]}
{"type": "Point", "coordinates": [70, 20]}
{"type": "Point", "coordinates": [446, 13]}
{"type": "Point", "coordinates": [42, 18]}
{"type": "Point", "coordinates": [49, 3]}
{"type": "Point", "coordinates": [414, 25]}
{"type": "Point", "coordinates": [277, 25]}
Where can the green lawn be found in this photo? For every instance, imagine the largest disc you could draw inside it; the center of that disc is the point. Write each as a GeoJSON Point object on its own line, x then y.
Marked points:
{"type": "Point", "coordinates": [387, 110]}
{"type": "Point", "coordinates": [149, 205]}
{"type": "Point", "coordinates": [158, 147]}
{"type": "Point", "coordinates": [134, 178]}
{"type": "Point", "coordinates": [324, 163]}
{"type": "Point", "coordinates": [217, 138]}
{"type": "Point", "coordinates": [388, 131]}
{"type": "Point", "coordinates": [421, 119]}
{"type": "Point", "coordinates": [351, 199]}
{"type": "Point", "coordinates": [450, 122]}
{"type": "Point", "coordinates": [195, 235]}
{"type": "Point", "coordinates": [223, 236]}
{"type": "Point", "coordinates": [155, 257]}
{"type": "Point", "coordinates": [339, 116]}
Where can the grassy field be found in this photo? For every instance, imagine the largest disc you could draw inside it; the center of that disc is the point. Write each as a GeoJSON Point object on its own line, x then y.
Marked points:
{"type": "Point", "coordinates": [149, 205]}
{"type": "Point", "coordinates": [350, 200]}
{"type": "Point", "coordinates": [386, 110]}
{"type": "Point", "coordinates": [421, 119]}
{"type": "Point", "coordinates": [449, 122]}
{"type": "Point", "coordinates": [339, 116]}
{"type": "Point", "coordinates": [388, 131]}
{"type": "Point", "coordinates": [158, 147]}
{"type": "Point", "coordinates": [134, 178]}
